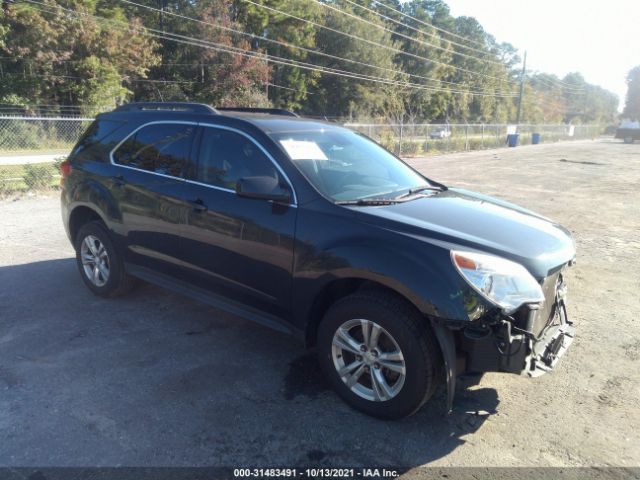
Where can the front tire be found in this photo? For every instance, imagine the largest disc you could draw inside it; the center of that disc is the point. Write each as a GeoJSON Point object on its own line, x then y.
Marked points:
{"type": "Point", "coordinates": [378, 354]}
{"type": "Point", "coordinates": [98, 261]}
{"type": "Point", "coordinates": [628, 139]}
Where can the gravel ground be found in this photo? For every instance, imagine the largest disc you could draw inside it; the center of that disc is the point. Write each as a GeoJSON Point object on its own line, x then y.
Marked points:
{"type": "Point", "coordinates": [154, 379]}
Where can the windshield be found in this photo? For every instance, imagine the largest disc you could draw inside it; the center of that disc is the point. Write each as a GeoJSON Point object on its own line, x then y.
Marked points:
{"type": "Point", "coordinates": [345, 166]}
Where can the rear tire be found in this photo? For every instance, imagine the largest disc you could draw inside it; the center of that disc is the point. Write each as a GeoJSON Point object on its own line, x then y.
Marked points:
{"type": "Point", "coordinates": [99, 263]}
{"type": "Point", "coordinates": [628, 139]}
{"type": "Point", "coordinates": [391, 379]}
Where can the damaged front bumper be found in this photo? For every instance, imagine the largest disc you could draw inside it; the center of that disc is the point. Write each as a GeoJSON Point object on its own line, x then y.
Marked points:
{"type": "Point", "coordinates": [530, 342]}
{"type": "Point", "coordinates": [547, 350]}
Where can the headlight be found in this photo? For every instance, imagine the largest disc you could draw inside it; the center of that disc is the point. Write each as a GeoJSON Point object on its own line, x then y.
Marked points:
{"type": "Point", "coordinates": [503, 282]}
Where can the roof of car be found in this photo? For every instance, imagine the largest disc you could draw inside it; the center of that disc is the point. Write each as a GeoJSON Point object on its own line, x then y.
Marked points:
{"type": "Point", "coordinates": [268, 120]}
{"type": "Point", "coordinates": [278, 124]}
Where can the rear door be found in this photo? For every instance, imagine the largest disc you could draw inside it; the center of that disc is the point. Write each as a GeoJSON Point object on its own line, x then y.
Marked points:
{"type": "Point", "coordinates": [150, 166]}
{"type": "Point", "coordinates": [239, 247]}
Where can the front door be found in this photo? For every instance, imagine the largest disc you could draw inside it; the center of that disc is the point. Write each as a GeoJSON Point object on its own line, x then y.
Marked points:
{"type": "Point", "coordinates": [238, 247]}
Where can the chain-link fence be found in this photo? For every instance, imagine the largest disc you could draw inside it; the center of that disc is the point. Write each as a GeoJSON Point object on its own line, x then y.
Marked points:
{"type": "Point", "coordinates": [31, 148]}
{"type": "Point", "coordinates": [34, 134]}
{"type": "Point", "coordinates": [409, 140]}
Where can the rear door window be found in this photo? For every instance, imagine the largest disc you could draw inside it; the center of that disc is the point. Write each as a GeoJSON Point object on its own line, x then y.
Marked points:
{"type": "Point", "coordinates": [162, 148]}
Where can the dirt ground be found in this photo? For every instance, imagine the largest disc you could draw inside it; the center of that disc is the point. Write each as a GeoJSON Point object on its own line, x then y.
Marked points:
{"type": "Point", "coordinates": [154, 379]}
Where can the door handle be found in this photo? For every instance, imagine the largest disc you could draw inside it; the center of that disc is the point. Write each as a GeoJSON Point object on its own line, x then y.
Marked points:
{"type": "Point", "coordinates": [118, 180]}
{"type": "Point", "coordinates": [198, 205]}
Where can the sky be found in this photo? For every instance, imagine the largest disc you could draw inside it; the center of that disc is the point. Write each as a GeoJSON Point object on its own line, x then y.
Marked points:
{"type": "Point", "coordinates": [601, 40]}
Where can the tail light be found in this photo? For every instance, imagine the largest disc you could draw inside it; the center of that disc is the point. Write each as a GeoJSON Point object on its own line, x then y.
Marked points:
{"type": "Point", "coordinates": [65, 170]}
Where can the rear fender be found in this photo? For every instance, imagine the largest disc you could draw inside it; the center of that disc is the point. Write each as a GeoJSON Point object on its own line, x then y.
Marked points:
{"type": "Point", "coordinates": [95, 196]}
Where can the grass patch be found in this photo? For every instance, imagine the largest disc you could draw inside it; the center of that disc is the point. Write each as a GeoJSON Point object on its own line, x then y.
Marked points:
{"type": "Point", "coordinates": [34, 176]}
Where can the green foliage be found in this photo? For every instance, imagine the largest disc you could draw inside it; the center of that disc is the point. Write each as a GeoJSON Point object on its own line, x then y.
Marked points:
{"type": "Point", "coordinates": [350, 97]}
{"type": "Point", "coordinates": [19, 135]}
{"type": "Point", "coordinates": [52, 56]}
{"type": "Point", "coordinates": [388, 140]}
{"type": "Point", "coordinates": [410, 148]}
{"type": "Point", "coordinates": [38, 177]}
{"type": "Point", "coordinates": [290, 86]}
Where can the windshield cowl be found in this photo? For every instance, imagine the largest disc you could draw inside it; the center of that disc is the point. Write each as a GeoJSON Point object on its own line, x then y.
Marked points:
{"type": "Point", "coordinates": [405, 197]}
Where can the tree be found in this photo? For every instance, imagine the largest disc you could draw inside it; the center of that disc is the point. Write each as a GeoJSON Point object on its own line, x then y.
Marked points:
{"type": "Point", "coordinates": [400, 60]}
{"type": "Point", "coordinates": [632, 103]}
{"type": "Point", "coordinates": [67, 57]}
{"type": "Point", "coordinates": [429, 104]}
{"type": "Point", "coordinates": [228, 79]}
{"type": "Point", "coordinates": [290, 85]}
{"type": "Point", "coordinates": [210, 73]}
{"type": "Point", "coordinates": [351, 97]}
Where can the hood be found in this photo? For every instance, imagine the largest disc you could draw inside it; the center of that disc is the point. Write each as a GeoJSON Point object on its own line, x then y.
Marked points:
{"type": "Point", "coordinates": [461, 219]}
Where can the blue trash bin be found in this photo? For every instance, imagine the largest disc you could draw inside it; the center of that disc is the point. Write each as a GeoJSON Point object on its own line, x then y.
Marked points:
{"type": "Point", "coordinates": [535, 138]}
{"type": "Point", "coordinates": [512, 139]}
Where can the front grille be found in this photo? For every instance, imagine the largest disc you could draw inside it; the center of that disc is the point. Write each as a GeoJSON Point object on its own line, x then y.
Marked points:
{"type": "Point", "coordinates": [547, 312]}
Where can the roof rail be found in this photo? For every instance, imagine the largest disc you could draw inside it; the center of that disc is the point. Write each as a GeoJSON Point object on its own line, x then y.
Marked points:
{"type": "Point", "coordinates": [167, 106]}
{"type": "Point", "coordinates": [269, 111]}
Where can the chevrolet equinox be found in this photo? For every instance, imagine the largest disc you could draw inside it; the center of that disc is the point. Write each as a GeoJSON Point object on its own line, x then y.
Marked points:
{"type": "Point", "coordinates": [398, 281]}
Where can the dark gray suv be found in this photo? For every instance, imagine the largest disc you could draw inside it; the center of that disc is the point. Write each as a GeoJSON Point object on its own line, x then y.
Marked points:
{"type": "Point", "coordinates": [317, 231]}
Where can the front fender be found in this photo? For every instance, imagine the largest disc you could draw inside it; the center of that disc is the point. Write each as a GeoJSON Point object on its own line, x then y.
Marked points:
{"type": "Point", "coordinates": [420, 272]}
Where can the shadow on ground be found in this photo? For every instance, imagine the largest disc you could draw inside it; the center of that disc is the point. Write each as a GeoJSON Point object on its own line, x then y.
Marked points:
{"type": "Point", "coordinates": [156, 379]}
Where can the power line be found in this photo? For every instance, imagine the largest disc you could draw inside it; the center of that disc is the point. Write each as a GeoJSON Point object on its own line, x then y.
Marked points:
{"type": "Point", "coordinates": [387, 47]}
{"type": "Point", "coordinates": [311, 66]}
{"type": "Point", "coordinates": [564, 84]}
{"type": "Point", "coordinates": [289, 62]}
{"type": "Point", "coordinates": [230, 49]}
{"type": "Point", "coordinates": [393, 32]}
{"type": "Point", "coordinates": [397, 22]}
{"type": "Point", "coordinates": [273, 59]}
{"type": "Point", "coordinates": [39, 106]}
{"type": "Point", "coordinates": [308, 50]}
{"type": "Point", "coordinates": [170, 64]}
{"type": "Point", "coordinates": [276, 42]}
{"type": "Point", "coordinates": [333, 71]}
{"type": "Point", "coordinates": [470, 40]}
{"type": "Point", "coordinates": [75, 77]}
{"type": "Point", "coordinates": [553, 83]}
{"type": "Point", "coordinates": [289, 88]}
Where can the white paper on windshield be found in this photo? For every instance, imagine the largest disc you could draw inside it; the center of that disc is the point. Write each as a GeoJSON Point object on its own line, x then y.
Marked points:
{"type": "Point", "coordinates": [303, 150]}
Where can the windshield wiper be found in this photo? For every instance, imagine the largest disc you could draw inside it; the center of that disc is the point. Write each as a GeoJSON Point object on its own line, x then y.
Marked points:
{"type": "Point", "coordinates": [422, 188]}
{"type": "Point", "coordinates": [368, 201]}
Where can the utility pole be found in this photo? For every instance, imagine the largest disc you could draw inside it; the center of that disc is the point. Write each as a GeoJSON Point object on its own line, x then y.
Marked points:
{"type": "Point", "coordinates": [161, 15]}
{"type": "Point", "coordinates": [522, 77]}
{"type": "Point", "coordinates": [266, 85]}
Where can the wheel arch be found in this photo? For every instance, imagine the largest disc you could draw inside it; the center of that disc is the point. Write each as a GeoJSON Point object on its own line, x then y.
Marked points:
{"type": "Point", "coordinates": [86, 201]}
{"type": "Point", "coordinates": [425, 280]}
{"type": "Point", "coordinates": [340, 288]}
{"type": "Point", "coordinates": [81, 215]}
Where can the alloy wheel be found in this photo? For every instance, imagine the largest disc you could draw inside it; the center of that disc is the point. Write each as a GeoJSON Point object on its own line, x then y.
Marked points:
{"type": "Point", "coordinates": [95, 260]}
{"type": "Point", "coordinates": [368, 360]}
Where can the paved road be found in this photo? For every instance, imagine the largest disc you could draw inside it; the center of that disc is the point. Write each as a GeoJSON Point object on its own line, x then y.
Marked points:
{"type": "Point", "coordinates": [157, 379]}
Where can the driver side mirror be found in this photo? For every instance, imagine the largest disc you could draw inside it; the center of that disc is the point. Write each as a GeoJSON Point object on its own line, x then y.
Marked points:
{"type": "Point", "coordinates": [264, 188]}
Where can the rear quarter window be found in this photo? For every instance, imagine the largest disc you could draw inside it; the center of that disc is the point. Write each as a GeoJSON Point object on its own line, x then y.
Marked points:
{"type": "Point", "coordinates": [95, 143]}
